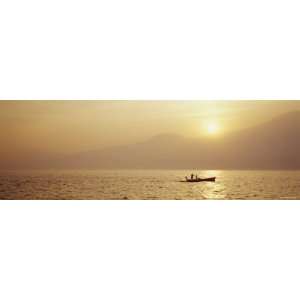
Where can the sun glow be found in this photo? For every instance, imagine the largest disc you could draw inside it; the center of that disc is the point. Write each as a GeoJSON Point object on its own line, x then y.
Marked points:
{"type": "Point", "coordinates": [212, 128]}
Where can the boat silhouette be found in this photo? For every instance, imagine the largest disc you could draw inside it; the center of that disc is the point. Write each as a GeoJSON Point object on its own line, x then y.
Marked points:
{"type": "Point", "coordinates": [199, 179]}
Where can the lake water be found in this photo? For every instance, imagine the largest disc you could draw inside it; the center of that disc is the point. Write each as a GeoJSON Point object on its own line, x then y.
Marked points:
{"type": "Point", "coordinates": [145, 184]}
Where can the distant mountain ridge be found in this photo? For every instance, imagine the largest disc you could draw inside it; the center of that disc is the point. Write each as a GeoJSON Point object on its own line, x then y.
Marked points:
{"type": "Point", "coordinates": [271, 145]}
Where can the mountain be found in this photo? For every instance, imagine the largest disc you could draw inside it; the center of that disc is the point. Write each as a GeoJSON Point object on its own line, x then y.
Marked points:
{"type": "Point", "coordinates": [272, 145]}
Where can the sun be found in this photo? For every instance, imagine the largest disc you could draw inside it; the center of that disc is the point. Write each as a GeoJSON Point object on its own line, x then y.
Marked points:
{"type": "Point", "coordinates": [212, 128]}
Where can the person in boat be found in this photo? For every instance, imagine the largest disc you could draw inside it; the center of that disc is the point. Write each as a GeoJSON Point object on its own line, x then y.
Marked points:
{"type": "Point", "coordinates": [192, 176]}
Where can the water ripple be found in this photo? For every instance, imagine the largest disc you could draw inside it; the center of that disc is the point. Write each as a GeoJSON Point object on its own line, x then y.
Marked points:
{"type": "Point", "coordinates": [149, 185]}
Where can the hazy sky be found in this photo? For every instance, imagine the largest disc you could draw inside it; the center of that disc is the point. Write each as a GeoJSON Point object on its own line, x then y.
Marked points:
{"type": "Point", "coordinates": [73, 126]}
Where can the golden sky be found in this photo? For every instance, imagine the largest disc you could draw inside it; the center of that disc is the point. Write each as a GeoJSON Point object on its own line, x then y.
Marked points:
{"type": "Point", "coordinates": [73, 126]}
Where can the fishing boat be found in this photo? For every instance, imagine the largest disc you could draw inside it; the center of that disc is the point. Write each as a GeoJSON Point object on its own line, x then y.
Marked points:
{"type": "Point", "coordinates": [200, 179]}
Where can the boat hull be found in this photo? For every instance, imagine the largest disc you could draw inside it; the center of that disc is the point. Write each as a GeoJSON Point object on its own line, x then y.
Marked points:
{"type": "Point", "coordinates": [201, 179]}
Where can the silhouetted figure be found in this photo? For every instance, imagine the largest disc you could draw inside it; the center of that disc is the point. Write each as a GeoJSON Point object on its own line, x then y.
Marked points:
{"type": "Point", "coordinates": [196, 176]}
{"type": "Point", "coordinates": [192, 176]}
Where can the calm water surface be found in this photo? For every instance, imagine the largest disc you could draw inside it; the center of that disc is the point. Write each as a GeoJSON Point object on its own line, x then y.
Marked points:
{"type": "Point", "coordinates": [148, 185]}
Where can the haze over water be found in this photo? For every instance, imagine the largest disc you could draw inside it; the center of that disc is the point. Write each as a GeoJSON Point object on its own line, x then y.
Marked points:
{"type": "Point", "coordinates": [110, 149]}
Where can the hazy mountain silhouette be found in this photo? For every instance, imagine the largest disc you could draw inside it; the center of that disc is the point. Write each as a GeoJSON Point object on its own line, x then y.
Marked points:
{"type": "Point", "coordinates": [272, 145]}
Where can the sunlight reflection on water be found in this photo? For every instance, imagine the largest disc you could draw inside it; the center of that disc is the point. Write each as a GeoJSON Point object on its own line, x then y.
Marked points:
{"type": "Point", "coordinates": [146, 184]}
